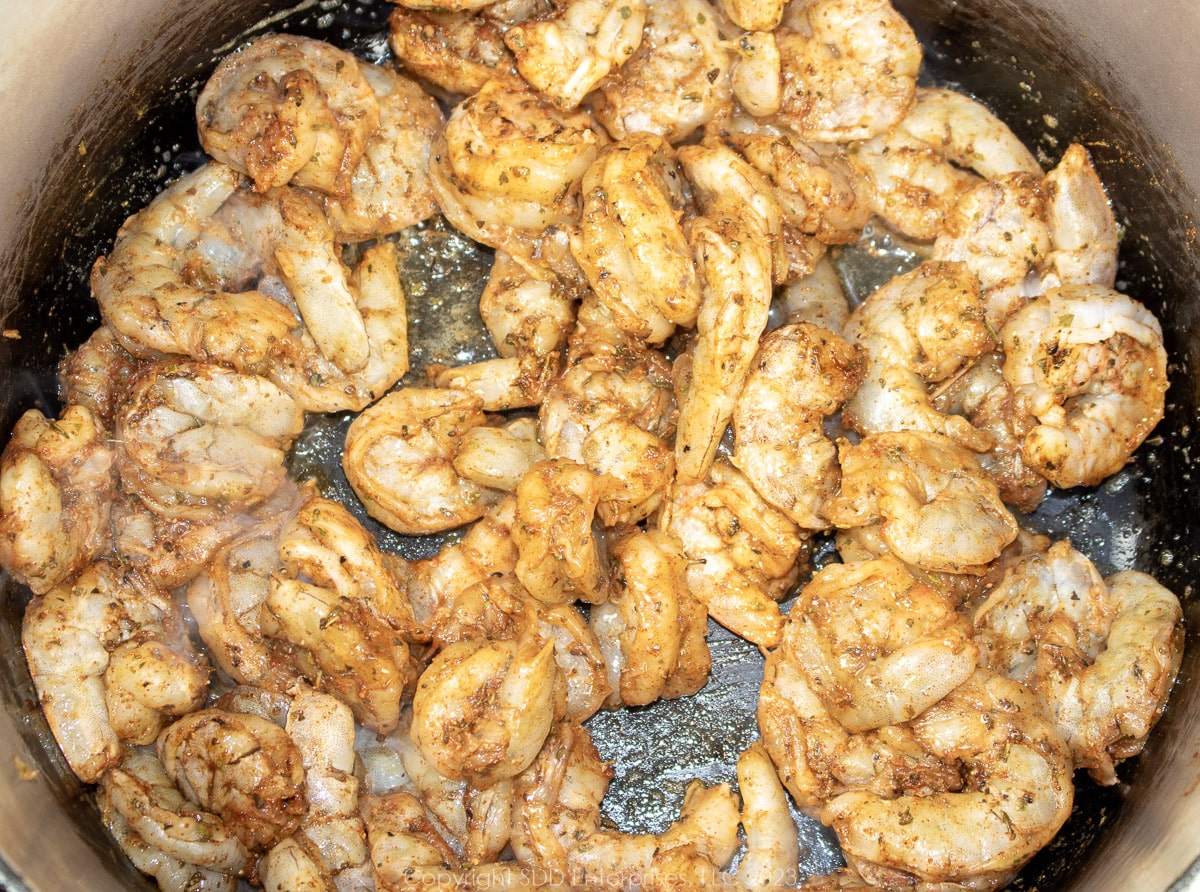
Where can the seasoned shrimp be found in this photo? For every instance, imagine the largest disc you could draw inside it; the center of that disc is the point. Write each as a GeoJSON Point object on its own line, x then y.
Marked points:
{"type": "Point", "coordinates": [754, 15]}
{"type": "Point", "coordinates": [455, 53]}
{"type": "Point", "coordinates": [631, 245]}
{"type": "Point", "coordinates": [1102, 655]}
{"type": "Point", "coordinates": [850, 72]}
{"type": "Point", "coordinates": [399, 458]}
{"type": "Point", "coordinates": [1016, 793]}
{"type": "Point", "coordinates": [818, 299]}
{"type": "Point", "coordinates": [675, 82]}
{"type": "Point", "coordinates": [494, 737]}
{"type": "Point", "coordinates": [919, 328]}
{"type": "Point", "coordinates": [153, 301]}
{"type": "Point", "coordinates": [1088, 372]}
{"type": "Point", "coordinates": [244, 768]}
{"type": "Point", "coordinates": [738, 245]}
{"type": "Point", "coordinates": [876, 645]}
{"type": "Point", "coordinates": [934, 505]}
{"type": "Point", "coordinates": [404, 843]}
{"type": "Point", "coordinates": [96, 375]}
{"type": "Point", "coordinates": [508, 166]}
{"type": "Point", "coordinates": [640, 465]}
{"type": "Point", "coordinates": [566, 55]}
{"type": "Point", "coordinates": [800, 376]}
{"type": "Point", "coordinates": [389, 188]}
{"type": "Point", "coordinates": [288, 109]}
{"type": "Point", "coordinates": [499, 457]}
{"type": "Point", "coordinates": [743, 555]}
{"type": "Point", "coordinates": [1083, 231]}
{"type": "Point", "coordinates": [772, 842]}
{"type": "Point", "coordinates": [524, 314]}
{"type": "Point", "coordinates": [57, 483]}
{"type": "Point", "coordinates": [510, 382]}
{"type": "Point", "coordinates": [111, 662]}
{"type": "Point", "coordinates": [199, 440]}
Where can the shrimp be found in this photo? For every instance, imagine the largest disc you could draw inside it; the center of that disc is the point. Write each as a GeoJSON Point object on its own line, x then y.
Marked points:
{"type": "Point", "coordinates": [675, 82]}
{"type": "Point", "coordinates": [877, 646]}
{"type": "Point", "coordinates": [111, 662]}
{"type": "Point", "coordinates": [1089, 378]}
{"type": "Point", "coordinates": [399, 458]}
{"type": "Point", "coordinates": [772, 842]}
{"type": "Point", "coordinates": [199, 440]}
{"type": "Point", "coordinates": [818, 299]}
{"type": "Point", "coordinates": [455, 53]}
{"type": "Point", "coordinates": [525, 315]}
{"type": "Point", "coordinates": [919, 328]}
{"type": "Point", "coordinates": [631, 245]}
{"type": "Point", "coordinates": [404, 843]}
{"type": "Point", "coordinates": [1015, 794]}
{"type": "Point", "coordinates": [754, 75]}
{"type": "Point", "coordinates": [243, 768]}
{"type": "Point", "coordinates": [159, 828]}
{"type": "Point", "coordinates": [389, 187]}
{"type": "Point", "coordinates": [560, 558]}
{"type": "Point", "coordinates": [754, 15]}
{"type": "Point", "coordinates": [96, 375]}
{"type": "Point", "coordinates": [935, 506]}
{"type": "Point", "coordinates": [998, 229]}
{"type": "Point", "coordinates": [566, 55]}
{"type": "Point", "coordinates": [289, 109]}
{"type": "Point", "coordinates": [850, 72]}
{"type": "Point", "coordinates": [1083, 231]}
{"type": "Point", "coordinates": [499, 457]}
{"type": "Point", "coordinates": [639, 464]}
{"type": "Point", "coordinates": [800, 376]}
{"type": "Point", "coordinates": [57, 483]}
{"type": "Point", "coordinates": [508, 166]}
{"type": "Point", "coordinates": [494, 737]}
{"type": "Point", "coordinates": [1101, 654]}
{"type": "Point", "coordinates": [743, 555]}
{"type": "Point", "coordinates": [738, 247]}
{"type": "Point", "coordinates": [511, 382]}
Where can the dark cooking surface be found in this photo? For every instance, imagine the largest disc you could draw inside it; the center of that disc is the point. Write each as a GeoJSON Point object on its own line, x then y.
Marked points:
{"type": "Point", "coordinates": [1146, 517]}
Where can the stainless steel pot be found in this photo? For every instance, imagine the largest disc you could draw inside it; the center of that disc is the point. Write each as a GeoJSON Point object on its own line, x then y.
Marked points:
{"type": "Point", "coordinates": [97, 97]}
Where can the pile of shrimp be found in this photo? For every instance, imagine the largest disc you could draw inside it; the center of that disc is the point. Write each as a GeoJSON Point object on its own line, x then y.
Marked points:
{"type": "Point", "coordinates": [681, 404]}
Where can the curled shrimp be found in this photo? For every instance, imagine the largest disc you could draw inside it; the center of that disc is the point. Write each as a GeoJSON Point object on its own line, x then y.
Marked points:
{"type": "Point", "coordinates": [111, 662]}
{"type": "Point", "coordinates": [818, 299]}
{"type": "Point", "coordinates": [499, 457]}
{"type": "Point", "coordinates": [96, 375]}
{"type": "Point", "coordinates": [772, 841]}
{"type": "Point", "coordinates": [743, 555]}
{"type": "Point", "coordinates": [244, 768]}
{"type": "Point", "coordinates": [1015, 794]}
{"type": "Point", "coordinates": [199, 440]}
{"type": "Point", "coordinates": [1101, 654]}
{"type": "Point", "coordinates": [1083, 231]}
{"type": "Point", "coordinates": [737, 246]}
{"type": "Point", "coordinates": [639, 464]}
{"type": "Point", "coordinates": [935, 506]}
{"type": "Point", "coordinates": [57, 484]}
{"type": "Point", "coordinates": [631, 245]}
{"type": "Point", "coordinates": [675, 82]}
{"type": "Point", "coordinates": [849, 72]}
{"type": "Point", "coordinates": [566, 55]}
{"type": "Point", "coordinates": [399, 458]}
{"type": "Point", "coordinates": [455, 53]}
{"type": "Point", "coordinates": [524, 314]}
{"type": "Point", "coordinates": [919, 328]}
{"type": "Point", "coordinates": [800, 376]}
{"type": "Point", "coordinates": [1088, 372]}
{"type": "Point", "coordinates": [288, 109]}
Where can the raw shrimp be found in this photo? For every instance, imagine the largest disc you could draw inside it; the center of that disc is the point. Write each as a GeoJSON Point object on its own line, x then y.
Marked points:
{"type": "Point", "coordinates": [919, 328]}
{"type": "Point", "coordinates": [851, 73]}
{"type": "Point", "coordinates": [1089, 377]}
{"type": "Point", "coordinates": [199, 440]}
{"type": "Point", "coordinates": [399, 459]}
{"type": "Point", "coordinates": [631, 245]}
{"type": "Point", "coordinates": [486, 737]}
{"type": "Point", "coordinates": [675, 82]}
{"type": "Point", "coordinates": [508, 166]}
{"type": "Point", "coordinates": [1083, 231]}
{"type": "Point", "coordinates": [998, 229]}
{"type": "Point", "coordinates": [738, 244]}
{"type": "Point", "coordinates": [454, 52]}
{"type": "Point", "coordinates": [1102, 655]}
{"type": "Point", "coordinates": [155, 304]}
{"type": "Point", "coordinates": [876, 645]}
{"type": "Point", "coordinates": [288, 109]}
{"type": "Point", "coordinates": [1016, 793]}
{"type": "Point", "coordinates": [389, 188]}
{"type": "Point", "coordinates": [566, 55]}
{"type": "Point", "coordinates": [498, 457]}
{"type": "Point", "coordinates": [110, 659]}
{"type": "Point", "coordinates": [159, 828]}
{"type": "Point", "coordinates": [560, 557]}
{"type": "Point", "coordinates": [57, 484]}
{"type": "Point", "coordinates": [934, 505]}
{"type": "Point", "coordinates": [743, 555]}
{"type": "Point", "coordinates": [772, 842]}
{"type": "Point", "coordinates": [800, 375]}
{"type": "Point", "coordinates": [244, 768]}
{"type": "Point", "coordinates": [96, 375]}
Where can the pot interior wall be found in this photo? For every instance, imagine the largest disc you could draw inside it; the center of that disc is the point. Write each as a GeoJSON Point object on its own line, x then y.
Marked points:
{"type": "Point", "coordinates": [136, 131]}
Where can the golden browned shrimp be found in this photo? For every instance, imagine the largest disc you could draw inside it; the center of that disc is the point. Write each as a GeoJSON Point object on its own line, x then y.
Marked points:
{"type": "Point", "coordinates": [96, 375]}
{"type": "Point", "coordinates": [455, 53]}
